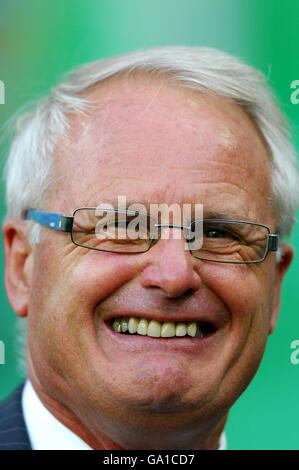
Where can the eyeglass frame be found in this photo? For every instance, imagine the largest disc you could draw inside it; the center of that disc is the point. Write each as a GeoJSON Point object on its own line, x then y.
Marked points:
{"type": "Point", "coordinates": [64, 223]}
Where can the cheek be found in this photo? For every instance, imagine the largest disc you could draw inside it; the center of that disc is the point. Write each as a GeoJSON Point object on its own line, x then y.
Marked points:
{"type": "Point", "coordinates": [97, 275]}
{"type": "Point", "coordinates": [246, 292]}
{"type": "Point", "coordinates": [77, 274]}
{"type": "Point", "coordinates": [241, 287]}
{"type": "Point", "coordinates": [65, 292]}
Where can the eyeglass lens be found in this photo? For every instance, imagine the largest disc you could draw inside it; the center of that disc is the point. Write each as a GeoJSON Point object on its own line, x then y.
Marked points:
{"type": "Point", "coordinates": [130, 232]}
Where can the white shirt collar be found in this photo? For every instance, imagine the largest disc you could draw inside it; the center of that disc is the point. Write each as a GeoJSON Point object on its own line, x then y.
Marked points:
{"type": "Point", "coordinates": [47, 433]}
{"type": "Point", "coordinates": [44, 430]}
{"type": "Point", "coordinates": [222, 442]}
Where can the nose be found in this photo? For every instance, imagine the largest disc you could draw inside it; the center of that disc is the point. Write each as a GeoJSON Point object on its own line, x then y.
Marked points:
{"type": "Point", "coordinates": [171, 269]}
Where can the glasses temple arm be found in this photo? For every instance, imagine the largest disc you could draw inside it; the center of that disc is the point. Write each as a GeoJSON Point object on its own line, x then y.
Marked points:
{"type": "Point", "coordinates": [273, 242]}
{"type": "Point", "coordinates": [50, 219]}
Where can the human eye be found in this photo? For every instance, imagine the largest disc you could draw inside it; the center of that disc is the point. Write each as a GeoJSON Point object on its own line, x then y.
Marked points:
{"type": "Point", "coordinates": [220, 231]}
{"type": "Point", "coordinates": [214, 233]}
{"type": "Point", "coordinates": [84, 224]}
{"type": "Point", "coordinates": [124, 228]}
{"type": "Point", "coordinates": [111, 230]}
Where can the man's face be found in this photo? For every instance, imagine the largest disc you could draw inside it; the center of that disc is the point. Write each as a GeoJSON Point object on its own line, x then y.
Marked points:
{"type": "Point", "coordinates": [152, 143]}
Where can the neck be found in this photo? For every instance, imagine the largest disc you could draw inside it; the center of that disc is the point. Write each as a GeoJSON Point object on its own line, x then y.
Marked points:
{"type": "Point", "coordinates": [128, 437]}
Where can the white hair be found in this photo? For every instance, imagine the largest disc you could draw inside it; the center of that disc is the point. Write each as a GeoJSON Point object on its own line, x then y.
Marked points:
{"type": "Point", "coordinates": [29, 170]}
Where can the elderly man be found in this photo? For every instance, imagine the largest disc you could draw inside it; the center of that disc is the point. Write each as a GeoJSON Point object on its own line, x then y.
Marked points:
{"type": "Point", "coordinates": [139, 338]}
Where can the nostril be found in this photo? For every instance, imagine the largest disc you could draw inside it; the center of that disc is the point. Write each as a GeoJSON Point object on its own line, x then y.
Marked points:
{"type": "Point", "coordinates": [183, 296]}
{"type": "Point", "coordinates": [171, 269]}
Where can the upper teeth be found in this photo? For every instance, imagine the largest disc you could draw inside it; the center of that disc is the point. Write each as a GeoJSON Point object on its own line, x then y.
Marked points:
{"type": "Point", "coordinates": [156, 329]}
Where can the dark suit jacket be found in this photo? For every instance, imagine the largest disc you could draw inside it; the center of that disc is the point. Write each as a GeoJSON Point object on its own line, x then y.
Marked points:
{"type": "Point", "coordinates": [13, 432]}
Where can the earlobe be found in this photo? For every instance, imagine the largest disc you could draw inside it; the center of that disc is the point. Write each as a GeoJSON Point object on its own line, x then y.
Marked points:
{"type": "Point", "coordinates": [282, 265]}
{"type": "Point", "coordinates": [18, 256]}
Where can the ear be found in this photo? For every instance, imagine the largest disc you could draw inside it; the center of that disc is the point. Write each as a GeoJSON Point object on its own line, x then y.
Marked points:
{"type": "Point", "coordinates": [18, 265]}
{"type": "Point", "coordinates": [282, 264]}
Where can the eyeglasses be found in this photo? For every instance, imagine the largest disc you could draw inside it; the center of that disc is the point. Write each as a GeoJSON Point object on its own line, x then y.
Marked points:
{"type": "Point", "coordinates": [130, 232]}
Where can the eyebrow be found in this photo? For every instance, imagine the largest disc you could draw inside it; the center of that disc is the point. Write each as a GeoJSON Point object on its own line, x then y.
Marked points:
{"type": "Point", "coordinates": [115, 203]}
{"type": "Point", "coordinates": [222, 214]}
{"type": "Point", "coordinates": [208, 213]}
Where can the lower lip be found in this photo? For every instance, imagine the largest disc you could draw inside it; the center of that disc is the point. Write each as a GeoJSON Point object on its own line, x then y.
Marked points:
{"type": "Point", "coordinates": [183, 344]}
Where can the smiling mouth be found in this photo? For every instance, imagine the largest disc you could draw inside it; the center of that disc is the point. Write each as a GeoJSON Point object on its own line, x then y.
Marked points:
{"type": "Point", "coordinates": [157, 329]}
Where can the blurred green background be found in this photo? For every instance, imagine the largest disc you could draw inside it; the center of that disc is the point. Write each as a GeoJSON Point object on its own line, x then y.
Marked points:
{"type": "Point", "coordinates": [42, 39]}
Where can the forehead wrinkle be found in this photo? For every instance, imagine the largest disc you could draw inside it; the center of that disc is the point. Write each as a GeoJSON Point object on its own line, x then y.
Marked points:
{"type": "Point", "coordinates": [222, 138]}
{"type": "Point", "coordinates": [210, 161]}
